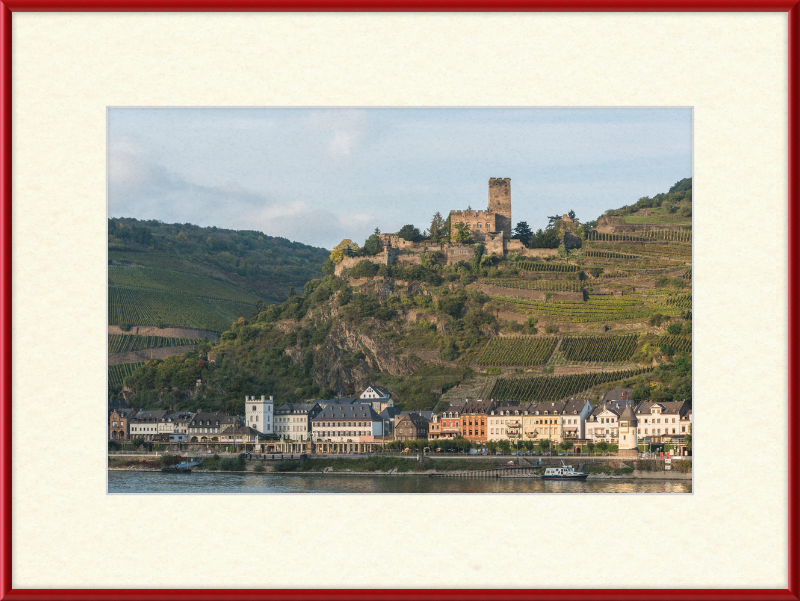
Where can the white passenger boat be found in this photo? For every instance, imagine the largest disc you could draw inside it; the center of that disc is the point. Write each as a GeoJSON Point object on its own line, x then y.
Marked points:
{"type": "Point", "coordinates": [565, 472]}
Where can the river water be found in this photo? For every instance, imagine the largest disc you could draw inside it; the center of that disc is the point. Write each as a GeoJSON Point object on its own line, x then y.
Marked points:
{"type": "Point", "coordinates": [222, 483]}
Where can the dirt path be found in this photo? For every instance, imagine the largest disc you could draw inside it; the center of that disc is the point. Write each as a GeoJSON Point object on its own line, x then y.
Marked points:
{"type": "Point", "coordinates": [147, 354]}
{"type": "Point", "coordinates": [168, 332]}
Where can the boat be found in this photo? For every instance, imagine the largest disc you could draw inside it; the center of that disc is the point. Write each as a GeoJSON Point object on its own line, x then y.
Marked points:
{"type": "Point", "coordinates": [184, 467]}
{"type": "Point", "coordinates": [565, 472]}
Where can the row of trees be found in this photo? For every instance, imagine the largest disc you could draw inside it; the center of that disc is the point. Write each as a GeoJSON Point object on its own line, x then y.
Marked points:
{"type": "Point", "coordinates": [461, 444]}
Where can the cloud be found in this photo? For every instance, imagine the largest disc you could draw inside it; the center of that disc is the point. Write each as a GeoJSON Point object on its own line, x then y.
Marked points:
{"type": "Point", "coordinates": [143, 189]}
{"type": "Point", "coordinates": [342, 144]}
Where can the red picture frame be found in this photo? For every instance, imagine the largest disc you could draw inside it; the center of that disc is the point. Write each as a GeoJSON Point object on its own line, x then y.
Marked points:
{"type": "Point", "coordinates": [792, 7]}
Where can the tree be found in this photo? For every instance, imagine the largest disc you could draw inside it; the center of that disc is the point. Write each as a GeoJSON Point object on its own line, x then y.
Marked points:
{"type": "Point", "coordinates": [258, 307]}
{"type": "Point", "coordinates": [548, 238]}
{"type": "Point", "coordinates": [682, 186]}
{"type": "Point", "coordinates": [475, 261]}
{"type": "Point", "coordinates": [552, 220]}
{"type": "Point", "coordinates": [504, 444]}
{"type": "Point", "coordinates": [688, 439]}
{"type": "Point", "coordinates": [590, 446]}
{"type": "Point", "coordinates": [373, 244]}
{"type": "Point", "coordinates": [345, 248]}
{"type": "Point", "coordinates": [437, 231]}
{"type": "Point", "coordinates": [544, 445]}
{"type": "Point", "coordinates": [463, 234]}
{"type": "Point", "coordinates": [410, 233]}
{"type": "Point", "coordinates": [602, 446]}
{"type": "Point", "coordinates": [523, 233]}
{"type": "Point", "coordinates": [566, 445]}
{"type": "Point", "coordinates": [572, 215]}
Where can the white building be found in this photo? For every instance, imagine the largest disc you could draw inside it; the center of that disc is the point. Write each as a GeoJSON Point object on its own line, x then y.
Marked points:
{"type": "Point", "coordinates": [347, 423]}
{"type": "Point", "coordinates": [603, 422]}
{"type": "Point", "coordinates": [378, 397]}
{"type": "Point", "coordinates": [259, 414]}
{"type": "Point", "coordinates": [573, 419]}
{"type": "Point", "coordinates": [504, 422]}
{"type": "Point", "coordinates": [146, 424]}
{"type": "Point", "coordinates": [293, 420]}
{"type": "Point", "coordinates": [628, 440]}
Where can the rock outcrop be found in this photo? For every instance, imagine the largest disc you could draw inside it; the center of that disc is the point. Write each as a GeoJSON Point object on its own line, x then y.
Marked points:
{"type": "Point", "coordinates": [349, 354]}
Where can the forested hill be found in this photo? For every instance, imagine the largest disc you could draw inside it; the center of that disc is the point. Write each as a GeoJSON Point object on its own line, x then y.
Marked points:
{"type": "Point", "coordinates": [677, 201]}
{"type": "Point", "coordinates": [183, 275]}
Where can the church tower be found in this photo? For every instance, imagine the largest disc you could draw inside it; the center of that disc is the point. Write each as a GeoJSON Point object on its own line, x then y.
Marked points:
{"type": "Point", "coordinates": [258, 414]}
{"type": "Point", "coordinates": [500, 204]}
{"type": "Point", "coordinates": [628, 435]}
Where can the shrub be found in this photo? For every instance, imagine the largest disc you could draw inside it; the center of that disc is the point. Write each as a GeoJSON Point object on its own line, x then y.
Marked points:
{"type": "Point", "coordinates": [674, 329]}
{"type": "Point", "coordinates": [113, 445]}
{"type": "Point", "coordinates": [231, 464]}
{"type": "Point", "coordinates": [138, 442]}
{"type": "Point", "coordinates": [364, 269]}
{"type": "Point", "coordinates": [125, 327]}
{"type": "Point", "coordinates": [167, 459]}
{"type": "Point", "coordinates": [286, 465]}
{"type": "Point", "coordinates": [259, 469]}
{"type": "Point", "coordinates": [551, 329]}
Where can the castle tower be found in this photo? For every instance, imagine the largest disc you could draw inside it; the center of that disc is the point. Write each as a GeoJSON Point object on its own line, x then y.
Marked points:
{"type": "Point", "coordinates": [500, 203]}
{"type": "Point", "coordinates": [628, 435]}
{"type": "Point", "coordinates": [258, 414]}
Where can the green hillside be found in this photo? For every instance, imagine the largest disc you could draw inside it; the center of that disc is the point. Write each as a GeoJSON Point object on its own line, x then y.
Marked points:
{"type": "Point", "coordinates": [181, 275]}
{"type": "Point", "coordinates": [614, 309]}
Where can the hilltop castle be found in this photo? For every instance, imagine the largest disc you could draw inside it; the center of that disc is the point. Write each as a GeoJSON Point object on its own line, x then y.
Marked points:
{"type": "Point", "coordinates": [496, 219]}
{"type": "Point", "coordinates": [492, 227]}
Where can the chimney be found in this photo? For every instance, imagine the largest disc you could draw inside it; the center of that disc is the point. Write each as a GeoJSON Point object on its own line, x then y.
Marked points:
{"type": "Point", "coordinates": [262, 398]}
{"type": "Point", "coordinates": [270, 398]}
{"type": "Point", "coordinates": [246, 398]}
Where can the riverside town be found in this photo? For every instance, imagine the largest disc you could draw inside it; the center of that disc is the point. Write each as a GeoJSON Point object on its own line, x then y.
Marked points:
{"type": "Point", "coordinates": [394, 338]}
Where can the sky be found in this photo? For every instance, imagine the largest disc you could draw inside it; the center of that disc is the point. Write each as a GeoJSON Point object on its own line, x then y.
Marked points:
{"type": "Point", "coordinates": [319, 175]}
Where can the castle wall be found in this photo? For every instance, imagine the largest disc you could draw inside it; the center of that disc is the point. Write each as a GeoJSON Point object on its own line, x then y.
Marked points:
{"type": "Point", "coordinates": [395, 241]}
{"type": "Point", "coordinates": [516, 246]}
{"type": "Point", "coordinates": [412, 259]}
{"type": "Point", "coordinates": [495, 245]}
{"type": "Point", "coordinates": [459, 252]}
{"type": "Point", "coordinates": [479, 223]}
{"type": "Point", "coordinates": [387, 257]}
{"type": "Point", "coordinates": [540, 252]}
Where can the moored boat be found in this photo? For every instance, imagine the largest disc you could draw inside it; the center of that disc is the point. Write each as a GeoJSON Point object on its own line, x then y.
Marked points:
{"type": "Point", "coordinates": [184, 467]}
{"type": "Point", "coordinates": [565, 472]}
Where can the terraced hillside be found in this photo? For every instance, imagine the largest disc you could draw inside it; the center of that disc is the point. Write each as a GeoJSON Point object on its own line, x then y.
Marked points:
{"type": "Point", "coordinates": [615, 311]}
{"type": "Point", "coordinates": [180, 275]}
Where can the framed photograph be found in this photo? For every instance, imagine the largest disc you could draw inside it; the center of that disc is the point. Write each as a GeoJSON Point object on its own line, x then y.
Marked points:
{"type": "Point", "coordinates": [310, 251]}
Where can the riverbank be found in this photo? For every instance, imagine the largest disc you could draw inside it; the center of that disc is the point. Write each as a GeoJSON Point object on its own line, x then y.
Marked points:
{"type": "Point", "coordinates": [133, 482]}
{"type": "Point", "coordinates": [397, 466]}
